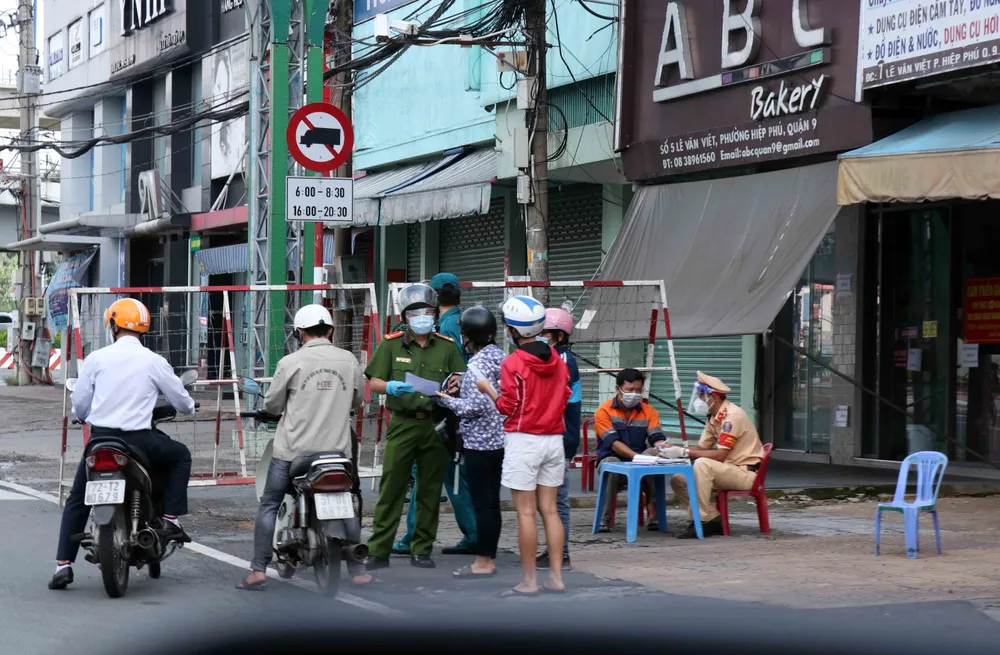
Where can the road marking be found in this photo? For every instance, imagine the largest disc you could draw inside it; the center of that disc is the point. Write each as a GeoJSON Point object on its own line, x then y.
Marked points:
{"type": "Point", "coordinates": [28, 491]}
{"type": "Point", "coordinates": [218, 555]}
{"type": "Point", "coordinates": [10, 495]}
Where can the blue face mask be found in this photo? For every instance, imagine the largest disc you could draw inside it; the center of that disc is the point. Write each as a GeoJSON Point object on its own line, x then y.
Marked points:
{"type": "Point", "coordinates": [541, 339]}
{"type": "Point", "coordinates": [422, 324]}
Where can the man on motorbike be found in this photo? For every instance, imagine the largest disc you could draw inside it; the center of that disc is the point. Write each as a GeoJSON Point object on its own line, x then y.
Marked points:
{"type": "Point", "coordinates": [115, 394]}
{"type": "Point", "coordinates": [314, 390]}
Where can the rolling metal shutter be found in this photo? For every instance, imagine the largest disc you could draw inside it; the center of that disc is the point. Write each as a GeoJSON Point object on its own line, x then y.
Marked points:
{"type": "Point", "coordinates": [718, 356]}
{"type": "Point", "coordinates": [473, 248]}
{"type": "Point", "coordinates": [575, 225]}
{"type": "Point", "coordinates": [413, 244]}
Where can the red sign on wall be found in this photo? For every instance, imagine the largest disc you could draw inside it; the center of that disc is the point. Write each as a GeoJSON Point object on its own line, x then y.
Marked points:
{"type": "Point", "coordinates": [982, 310]}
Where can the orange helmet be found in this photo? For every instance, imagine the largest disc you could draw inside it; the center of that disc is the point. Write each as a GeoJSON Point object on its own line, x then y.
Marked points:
{"type": "Point", "coordinates": [128, 314]}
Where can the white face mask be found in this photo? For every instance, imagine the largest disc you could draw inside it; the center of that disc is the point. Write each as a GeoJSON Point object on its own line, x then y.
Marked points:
{"type": "Point", "coordinates": [630, 400]}
{"type": "Point", "coordinates": [699, 407]}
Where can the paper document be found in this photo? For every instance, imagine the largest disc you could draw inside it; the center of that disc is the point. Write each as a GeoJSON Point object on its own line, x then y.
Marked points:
{"type": "Point", "coordinates": [422, 385]}
{"type": "Point", "coordinates": [653, 460]}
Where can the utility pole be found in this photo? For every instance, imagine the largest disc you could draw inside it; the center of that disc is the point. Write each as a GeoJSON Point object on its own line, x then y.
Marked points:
{"type": "Point", "coordinates": [31, 283]}
{"type": "Point", "coordinates": [341, 97]}
{"type": "Point", "coordinates": [537, 224]}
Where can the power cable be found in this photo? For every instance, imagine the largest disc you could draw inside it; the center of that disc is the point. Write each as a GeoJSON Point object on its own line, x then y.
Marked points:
{"type": "Point", "coordinates": [555, 20]}
{"type": "Point", "coordinates": [590, 11]}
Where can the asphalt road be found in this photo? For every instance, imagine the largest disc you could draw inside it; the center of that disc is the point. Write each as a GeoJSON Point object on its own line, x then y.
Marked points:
{"type": "Point", "coordinates": [195, 596]}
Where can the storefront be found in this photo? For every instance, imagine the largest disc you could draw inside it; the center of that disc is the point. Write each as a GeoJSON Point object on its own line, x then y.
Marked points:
{"type": "Point", "coordinates": [926, 193]}
{"type": "Point", "coordinates": [730, 125]}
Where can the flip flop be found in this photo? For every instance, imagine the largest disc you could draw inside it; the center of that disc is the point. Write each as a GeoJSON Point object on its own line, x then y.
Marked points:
{"type": "Point", "coordinates": [604, 528]}
{"type": "Point", "coordinates": [653, 526]}
{"type": "Point", "coordinates": [517, 592]}
{"type": "Point", "coordinates": [552, 590]}
{"type": "Point", "coordinates": [466, 573]}
{"type": "Point", "coordinates": [252, 586]}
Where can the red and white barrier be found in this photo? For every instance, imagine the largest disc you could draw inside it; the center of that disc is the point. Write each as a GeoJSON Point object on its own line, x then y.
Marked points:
{"type": "Point", "coordinates": [7, 359]}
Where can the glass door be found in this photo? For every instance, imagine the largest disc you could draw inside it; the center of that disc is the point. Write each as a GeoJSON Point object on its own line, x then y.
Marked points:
{"type": "Point", "coordinates": [916, 332]}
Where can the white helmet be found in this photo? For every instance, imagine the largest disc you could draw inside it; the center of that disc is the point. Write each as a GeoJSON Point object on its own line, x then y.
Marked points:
{"type": "Point", "coordinates": [311, 316]}
{"type": "Point", "coordinates": [525, 314]}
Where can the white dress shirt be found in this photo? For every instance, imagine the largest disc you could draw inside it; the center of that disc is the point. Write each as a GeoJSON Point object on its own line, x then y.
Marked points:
{"type": "Point", "coordinates": [119, 384]}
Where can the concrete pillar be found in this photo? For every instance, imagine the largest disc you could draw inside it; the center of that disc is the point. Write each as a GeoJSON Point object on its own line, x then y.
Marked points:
{"type": "Point", "coordinates": [845, 442]}
{"type": "Point", "coordinates": [77, 175]}
{"type": "Point", "coordinates": [390, 253]}
{"type": "Point", "coordinates": [108, 161]}
{"type": "Point", "coordinates": [430, 249]}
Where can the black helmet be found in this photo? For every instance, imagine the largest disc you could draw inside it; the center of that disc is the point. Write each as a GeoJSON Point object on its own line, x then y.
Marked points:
{"type": "Point", "coordinates": [479, 325]}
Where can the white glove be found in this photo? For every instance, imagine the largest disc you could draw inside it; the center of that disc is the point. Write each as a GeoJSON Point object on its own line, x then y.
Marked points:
{"type": "Point", "coordinates": [672, 452]}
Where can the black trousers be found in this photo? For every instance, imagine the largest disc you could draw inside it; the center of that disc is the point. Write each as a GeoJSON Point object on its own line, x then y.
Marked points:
{"type": "Point", "coordinates": [483, 469]}
{"type": "Point", "coordinates": [159, 448]}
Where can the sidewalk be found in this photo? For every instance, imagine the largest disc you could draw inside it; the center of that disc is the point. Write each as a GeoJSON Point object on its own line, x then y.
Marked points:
{"type": "Point", "coordinates": [816, 557]}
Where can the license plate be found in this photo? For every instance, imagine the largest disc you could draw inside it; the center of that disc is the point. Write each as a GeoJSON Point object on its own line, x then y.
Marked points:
{"type": "Point", "coordinates": [105, 492]}
{"type": "Point", "coordinates": [334, 506]}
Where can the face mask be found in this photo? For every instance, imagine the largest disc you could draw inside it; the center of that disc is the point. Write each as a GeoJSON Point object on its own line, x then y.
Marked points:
{"type": "Point", "coordinates": [700, 407]}
{"type": "Point", "coordinates": [541, 339]}
{"type": "Point", "coordinates": [630, 400]}
{"type": "Point", "coordinates": [422, 324]}
{"type": "Point", "coordinates": [512, 341]}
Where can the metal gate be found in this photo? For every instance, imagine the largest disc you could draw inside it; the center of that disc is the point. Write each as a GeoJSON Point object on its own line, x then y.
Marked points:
{"type": "Point", "coordinates": [413, 243]}
{"type": "Point", "coordinates": [473, 248]}
{"type": "Point", "coordinates": [575, 234]}
{"type": "Point", "coordinates": [718, 356]}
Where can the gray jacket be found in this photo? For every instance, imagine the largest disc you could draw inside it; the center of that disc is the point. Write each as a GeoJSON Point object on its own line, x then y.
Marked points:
{"type": "Point", "coordinates": [315, 389]}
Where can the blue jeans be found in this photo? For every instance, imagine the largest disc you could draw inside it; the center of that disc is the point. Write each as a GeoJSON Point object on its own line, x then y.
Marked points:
{"type": "Point", "coordinates": [562, 506]}
{"type": "Point", "coordinates": [461, 503]}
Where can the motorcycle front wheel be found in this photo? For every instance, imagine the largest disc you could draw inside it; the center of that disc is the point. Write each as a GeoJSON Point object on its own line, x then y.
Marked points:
{"type": "Point", "coordinates": [111, 543]}
{"type": "Point", "coordinates": [327, 568]}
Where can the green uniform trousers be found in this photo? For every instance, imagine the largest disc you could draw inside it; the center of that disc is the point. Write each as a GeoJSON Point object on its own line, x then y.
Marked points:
{"type": "Point", "coordinates": [409, 441]}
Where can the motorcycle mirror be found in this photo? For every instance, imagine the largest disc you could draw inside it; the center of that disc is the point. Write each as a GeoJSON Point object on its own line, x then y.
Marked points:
{"type": "Point", "coordinates": [250, 386]}
{"type": "Point", "coordinates": [189, 377]}
{"type": "Point", "coordinates": [71, 383]}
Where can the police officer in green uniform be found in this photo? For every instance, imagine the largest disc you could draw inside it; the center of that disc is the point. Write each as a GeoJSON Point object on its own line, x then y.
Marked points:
{"type": "Point", "coordinates": [411, 437]}
{"type": "Point", "coordinates": [446, 286]}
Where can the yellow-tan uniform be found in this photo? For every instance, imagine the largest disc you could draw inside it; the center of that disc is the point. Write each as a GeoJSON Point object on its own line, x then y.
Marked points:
{"type": "Point", "coordinates": [729, 429]}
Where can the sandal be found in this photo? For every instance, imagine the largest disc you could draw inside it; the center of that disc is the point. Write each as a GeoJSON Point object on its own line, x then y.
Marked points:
{"type": "Point", "coordinates": [603, 528]}
{"type": "Point", "coordinates": [652, 526]}
{"type": "Point", "coordinates": [514, 591]}
{"type": "Point", "coordinates": [245, 585]}
{"type": "Point", "coordinates": [466, 573]}
{"type": "Point", "coordinates": [553, 590]}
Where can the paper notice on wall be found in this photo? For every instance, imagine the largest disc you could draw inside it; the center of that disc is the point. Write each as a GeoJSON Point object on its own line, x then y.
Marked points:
{"type": "Point", "coordinates": [969, 355]}
{"type": "Point", "coordinates": [914, 356]}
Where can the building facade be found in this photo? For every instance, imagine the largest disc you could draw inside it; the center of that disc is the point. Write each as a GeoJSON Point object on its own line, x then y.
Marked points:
{"type": "Point", "coordinates": [730, 120]}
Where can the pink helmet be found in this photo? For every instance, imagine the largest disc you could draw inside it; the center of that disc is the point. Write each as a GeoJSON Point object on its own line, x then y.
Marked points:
{"type": "Point", "coordinates": [557, 318]}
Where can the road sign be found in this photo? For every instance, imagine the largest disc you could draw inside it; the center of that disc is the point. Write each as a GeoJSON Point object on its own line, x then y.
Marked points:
{"type": "Point", "coordinates": [320, 137]}
{"type": "Point", "coordinates": [320, 199]}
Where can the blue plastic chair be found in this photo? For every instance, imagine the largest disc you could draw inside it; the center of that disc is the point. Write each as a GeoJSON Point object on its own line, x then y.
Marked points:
{"type": "Point", "coordinates": [930, 471]}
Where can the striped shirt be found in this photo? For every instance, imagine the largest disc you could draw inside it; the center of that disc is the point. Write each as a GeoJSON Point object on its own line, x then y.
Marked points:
{"type": "Point", "coordinates": [634, 427]}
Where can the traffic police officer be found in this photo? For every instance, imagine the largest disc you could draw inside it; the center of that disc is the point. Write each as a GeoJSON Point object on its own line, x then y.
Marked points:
{"type": "Point", "coordinates": [447, 288]}
{"type": "Point", "coordinates": [727, 457]}
{"type": "Point", "coordinates": [411, 437]}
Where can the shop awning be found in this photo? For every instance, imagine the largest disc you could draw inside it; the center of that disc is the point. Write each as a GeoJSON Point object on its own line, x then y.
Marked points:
{"type": "Point", "coordinates": [236, 259]}
{"type": "Point", "coordinates": [729, 251]}
{"type": "Point", "coordinates": [954, 155]}
{"type": "Point", "coordinates": [459, 184]}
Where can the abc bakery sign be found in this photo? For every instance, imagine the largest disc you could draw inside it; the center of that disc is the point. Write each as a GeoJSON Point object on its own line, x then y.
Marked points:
{"type": "Point", "coordinates": [743, 27]}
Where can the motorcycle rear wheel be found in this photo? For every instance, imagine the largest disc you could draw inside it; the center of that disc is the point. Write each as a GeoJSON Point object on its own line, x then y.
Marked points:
{"type": "Point", "coordinates": [327, 567]}
{"type": "Point", "coordinates": [111, 543]}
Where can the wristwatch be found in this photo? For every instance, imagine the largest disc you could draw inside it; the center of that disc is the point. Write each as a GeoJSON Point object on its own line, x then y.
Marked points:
{"type": "Point", "coordinates": [687, 452]}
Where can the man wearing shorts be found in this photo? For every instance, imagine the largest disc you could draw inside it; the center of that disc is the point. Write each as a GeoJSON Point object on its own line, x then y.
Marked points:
{"type": "Point", "coordinates": [534, 385]}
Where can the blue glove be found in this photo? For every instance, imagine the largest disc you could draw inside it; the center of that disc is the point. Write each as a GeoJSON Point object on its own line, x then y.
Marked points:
{"type": "Point", "coordinates": [397, 388]}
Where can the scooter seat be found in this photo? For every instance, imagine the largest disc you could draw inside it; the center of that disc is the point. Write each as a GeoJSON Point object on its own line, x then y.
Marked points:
{"type": "Point", "coordinates": [302, 463]}
{"type": "Point", "coordinates": [133, 451]}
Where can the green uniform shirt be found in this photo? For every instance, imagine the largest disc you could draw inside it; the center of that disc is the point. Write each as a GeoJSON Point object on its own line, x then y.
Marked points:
{"type": "Point", "coordinates": [399, 354]}
{"type": "Point", "coordinates": [449, 325]}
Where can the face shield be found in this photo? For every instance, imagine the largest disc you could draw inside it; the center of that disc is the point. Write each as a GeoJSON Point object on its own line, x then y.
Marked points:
{"type": "Point", "coordinates": [698, 404]}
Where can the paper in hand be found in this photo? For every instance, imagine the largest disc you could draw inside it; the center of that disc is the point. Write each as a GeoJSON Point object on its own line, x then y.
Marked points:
{"type": "Point", "coordinates": [422, 385]}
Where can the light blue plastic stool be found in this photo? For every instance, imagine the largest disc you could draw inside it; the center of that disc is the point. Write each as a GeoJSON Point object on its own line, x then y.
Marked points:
{"type": "Point", "coordinates": [930, 471]}
{"type": "Point", "coordinates": [633, 474]}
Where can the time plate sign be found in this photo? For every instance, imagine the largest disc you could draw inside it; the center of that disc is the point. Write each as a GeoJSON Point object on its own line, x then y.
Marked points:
{"type": "Point", "coordinates": [320, 199]}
